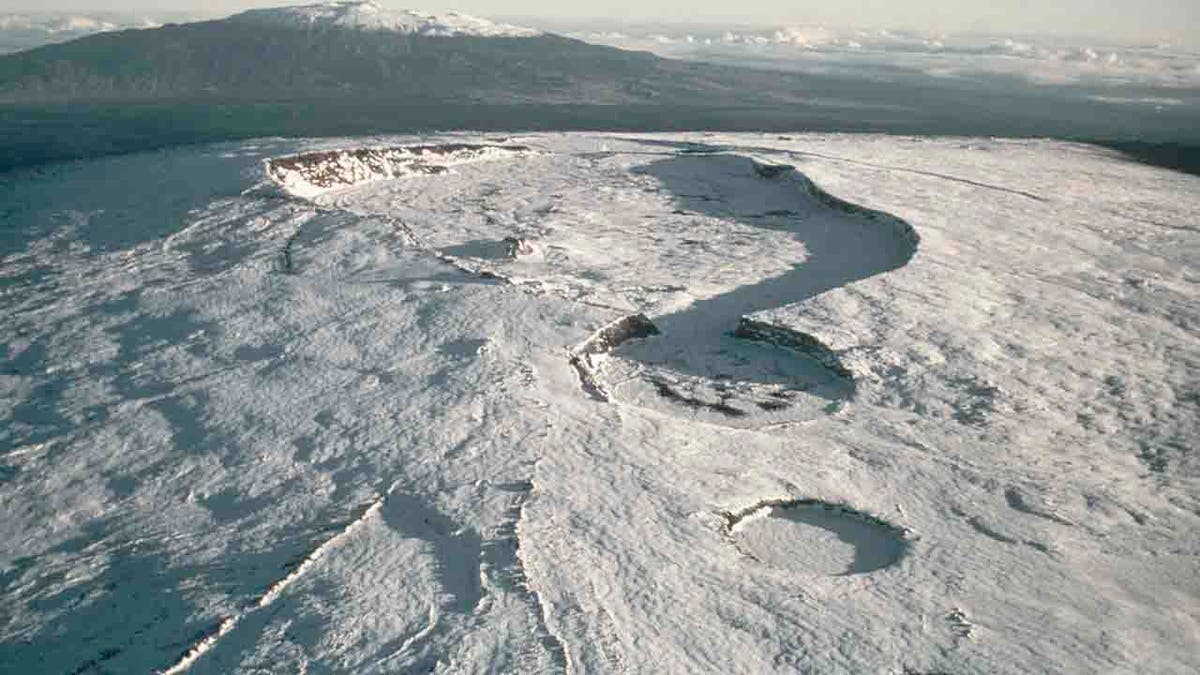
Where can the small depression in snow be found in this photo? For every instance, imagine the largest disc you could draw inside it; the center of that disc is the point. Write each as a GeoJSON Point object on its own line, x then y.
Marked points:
{"type": "Point", "coordinates": [816, 538]}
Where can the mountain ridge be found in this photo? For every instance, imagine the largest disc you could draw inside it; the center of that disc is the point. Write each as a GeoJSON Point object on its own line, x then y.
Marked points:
{"type": "Point", "coordinates": [326, 51]}
{"type": "Point", "coordinates": [367, 15]}
{"type": "Point", "coordinates": [352, 69]}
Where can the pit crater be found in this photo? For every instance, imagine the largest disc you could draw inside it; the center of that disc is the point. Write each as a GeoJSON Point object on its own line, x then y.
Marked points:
{"type": "Point", "coordinates": [816, 537]}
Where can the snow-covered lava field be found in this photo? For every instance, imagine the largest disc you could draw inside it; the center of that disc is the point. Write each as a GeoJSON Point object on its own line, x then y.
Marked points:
{"type": "Point", "coordinates": [601, 404]}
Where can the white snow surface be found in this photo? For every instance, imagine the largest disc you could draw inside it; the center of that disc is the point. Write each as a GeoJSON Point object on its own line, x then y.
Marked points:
{"type": "Point", "coordinates": [253, 425]}
{"type": "Point", "coordinates": [371, 16]}
{"type": "Point", "coordinates": [316, 174]}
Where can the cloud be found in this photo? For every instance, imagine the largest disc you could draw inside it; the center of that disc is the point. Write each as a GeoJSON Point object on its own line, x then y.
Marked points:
{"type": "Point", "coordinates": [1039, 61]}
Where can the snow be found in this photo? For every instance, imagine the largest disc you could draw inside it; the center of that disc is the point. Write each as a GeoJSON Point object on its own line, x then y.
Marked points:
{"type": "Point", "coordinates": [315, 174]}
{"type": "Point", "coordinates": [371, 16]}
{"type": "Point", "coordinates": [298, 406]}
{"type": "Point", "coordinates": [817, 539]}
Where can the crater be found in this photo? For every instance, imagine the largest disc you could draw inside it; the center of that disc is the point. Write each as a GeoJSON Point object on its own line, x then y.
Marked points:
{"type": "Point", "coordinates": [738, 383]}
{"type": "Point", "coordinates": [710, 360]}
{"type": "Point", "coordinates": [815, 537]}
{"type": "Point", "coordinates": [601, 342]}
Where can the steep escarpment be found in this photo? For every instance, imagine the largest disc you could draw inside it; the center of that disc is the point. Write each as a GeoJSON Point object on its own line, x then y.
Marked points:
{"type": "Point", "coordinates": [312, 173]}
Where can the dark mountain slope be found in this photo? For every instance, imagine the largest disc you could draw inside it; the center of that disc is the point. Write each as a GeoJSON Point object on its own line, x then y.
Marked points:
{"type": "Point", "coordinates": [238, 61]}
{"type": "Point", "coordinates": [254, 75]}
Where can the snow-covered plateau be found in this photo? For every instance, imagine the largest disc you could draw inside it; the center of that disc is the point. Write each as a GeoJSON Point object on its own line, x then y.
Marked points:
{"type": "Point", "coordinates": [371, 16]}
{"type": "Point", "coordinates": [704, 403]}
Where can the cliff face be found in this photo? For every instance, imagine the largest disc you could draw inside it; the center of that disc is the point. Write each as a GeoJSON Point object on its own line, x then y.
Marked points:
{"type": "Point", "coordinates": [313, 173]}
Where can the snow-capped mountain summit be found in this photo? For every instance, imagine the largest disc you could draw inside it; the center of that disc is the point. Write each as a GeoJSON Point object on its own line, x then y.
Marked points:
{"type": "Point", "coordinates": [371, 16]}
{"type": "Point", "coordinates": [323, 52]}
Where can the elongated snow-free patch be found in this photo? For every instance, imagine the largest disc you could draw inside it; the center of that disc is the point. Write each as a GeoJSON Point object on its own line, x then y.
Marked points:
{"type": "Point", "coordinates": [816, 537]}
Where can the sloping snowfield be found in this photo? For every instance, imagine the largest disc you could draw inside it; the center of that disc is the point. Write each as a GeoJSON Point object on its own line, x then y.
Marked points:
{"type": "Point", "coordinates": [598, 404]}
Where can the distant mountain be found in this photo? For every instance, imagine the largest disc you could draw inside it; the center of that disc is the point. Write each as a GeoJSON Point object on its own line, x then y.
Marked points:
{"type": "Point", "coordinates": [360, 50]}
{"type": "Point", "coordinates": [355, 68]}
{"type": "Point", "coordinates": [372, 17]}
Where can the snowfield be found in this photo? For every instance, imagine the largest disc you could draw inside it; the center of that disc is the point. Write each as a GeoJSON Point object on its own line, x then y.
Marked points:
{"type": "Point", "coordinates": [370, 16]}
{"type": "Point", "coordinates": [598, 404]}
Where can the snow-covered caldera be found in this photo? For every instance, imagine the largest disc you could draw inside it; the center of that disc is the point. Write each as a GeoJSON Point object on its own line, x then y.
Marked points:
{"type": "Point", "coordinates": [584, 403]}
{"type": "Point", "coordinates": [371, 16]}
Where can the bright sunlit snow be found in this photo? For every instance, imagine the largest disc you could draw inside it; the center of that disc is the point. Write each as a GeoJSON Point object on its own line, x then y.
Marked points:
{"type": "Point", "coordinates": [367, 15]}
{"type": "Point", "coordinates": [596, 404]}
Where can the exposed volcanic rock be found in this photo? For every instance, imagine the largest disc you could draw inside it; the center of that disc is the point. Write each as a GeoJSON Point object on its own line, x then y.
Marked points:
{"type": "Point", "coordinates": [614, 334]}
{"type": "Point", "coordinates": [780, 336]}
{"type": "Point", "coordinates": [605, 340]}
{"type": "Point", "coordinates": [309, 174]}
{"type": "Point", "coordinates": [515, 247]}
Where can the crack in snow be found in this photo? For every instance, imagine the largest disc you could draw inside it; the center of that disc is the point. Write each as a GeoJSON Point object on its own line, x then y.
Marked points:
{"type": "Point", "coordinates": [552, 641]}
{"type": "Point", "coordinates": [273, 592]}
{"type": "Point", "coordinates": [900, 169]}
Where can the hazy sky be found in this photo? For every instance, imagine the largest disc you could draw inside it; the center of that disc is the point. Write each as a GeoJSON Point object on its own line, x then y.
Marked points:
{"type": "Point", "coordinates": [1139, 19]}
